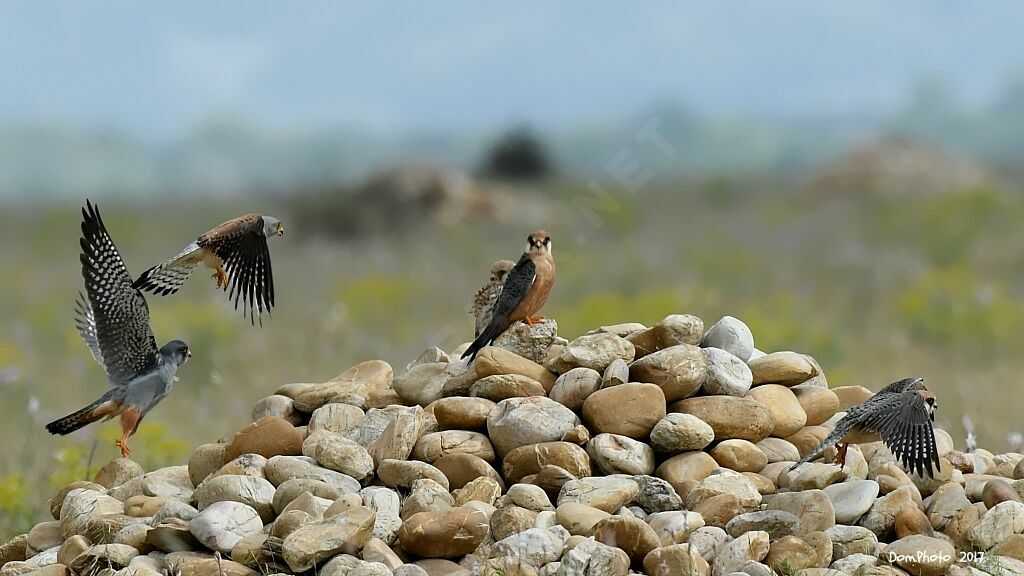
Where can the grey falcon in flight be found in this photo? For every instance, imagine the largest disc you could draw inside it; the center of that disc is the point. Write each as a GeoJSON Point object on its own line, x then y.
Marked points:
{"type": "Point", "coordinates": [524, 293]}
{"type": "Point", "coordinates": [237, 253]}
{"type": "Point", "coordinates": [113, 319]}
{"type": "Point", "coordinates": [901, 415]}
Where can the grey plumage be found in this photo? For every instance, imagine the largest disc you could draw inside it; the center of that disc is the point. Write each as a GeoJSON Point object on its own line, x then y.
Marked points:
{"type": "Point", "coordinates": [901, 414]}
{"type": "Point", "coordinates": [113, 320]}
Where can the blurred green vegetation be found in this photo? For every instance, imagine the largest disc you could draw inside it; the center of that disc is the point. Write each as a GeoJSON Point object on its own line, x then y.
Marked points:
{"type": "Point", "coordinates": [874, 287]}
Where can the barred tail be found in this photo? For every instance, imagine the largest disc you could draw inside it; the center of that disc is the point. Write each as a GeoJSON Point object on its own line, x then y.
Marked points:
{"type": "Point", "coordinates": [830, 440]}
{"type": "Point", "coordinates": [167, 277]}
{"type": "Point", "coordinates": [76, 420]}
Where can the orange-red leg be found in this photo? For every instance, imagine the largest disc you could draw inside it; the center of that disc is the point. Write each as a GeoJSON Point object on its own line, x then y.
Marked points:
{"type": "Point", "coordinates": [841, 454]}
{"type": "Point", "coordinates": [130, 418]}
{"type": "Point", "coordinates": [221, 277]}
{"type": "Point", "coordinates": [531, 320]}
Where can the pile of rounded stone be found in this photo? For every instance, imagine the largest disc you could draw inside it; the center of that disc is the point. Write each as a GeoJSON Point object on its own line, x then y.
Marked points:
{"type": "Point", "coordinates": [661, 450]}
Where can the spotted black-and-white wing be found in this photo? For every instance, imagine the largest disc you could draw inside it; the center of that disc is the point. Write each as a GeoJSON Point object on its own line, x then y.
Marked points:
{"type": "Point", "coordinates": [85, 322]}
{"type": "Point", "coordinates": [120, 327]}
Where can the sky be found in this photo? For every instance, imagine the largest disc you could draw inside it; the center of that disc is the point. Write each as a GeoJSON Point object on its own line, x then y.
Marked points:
{"type": "Point", "coordinates": [157, 69]}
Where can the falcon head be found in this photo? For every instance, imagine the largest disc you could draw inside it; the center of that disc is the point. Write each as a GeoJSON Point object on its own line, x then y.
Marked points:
{"type": "Point", "coordinates": [272, 227]}
{"type": "Point", "coordinates": [176, 351]}
{"type": "Point", "coordinates": [538, 243]}
{"type": "Point", "coordinates": [500, 268]}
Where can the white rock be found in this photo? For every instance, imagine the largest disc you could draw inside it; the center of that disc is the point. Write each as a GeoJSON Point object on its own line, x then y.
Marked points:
{"type": "Point", "coordinates": [222, 524]}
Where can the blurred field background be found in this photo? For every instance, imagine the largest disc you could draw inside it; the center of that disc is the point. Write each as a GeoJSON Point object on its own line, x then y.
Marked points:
{"type": "Point", "coordinates": [857, 201]}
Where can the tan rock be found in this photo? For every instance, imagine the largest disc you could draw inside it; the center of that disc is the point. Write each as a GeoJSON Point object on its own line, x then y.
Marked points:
{"type": "Point", "coordinates": [349, 387]}
{"type": "Point", "coordinates": [787, 415]}
{"type": "Point", "coordinates": [790, 554]}
{"type": "Point", "coordinates": [676, 560]}
{"type": "Point", "coordinates": [270, 436]}
{"type": "Point", "coordinates": [574, 386]}
{"type": "Point", "coordinates": [778, 450]}
{"type": "Point", "coordinates": [595, 351]}
{"type": "Point", "coordinates": [502, 386]}
{"type": "Point", "coordinates": [462, 413]}
{"type": "Point", "coordinates": [881, 518]}
{"type": "Point", "coordinates": [729, 417]}
{"type": "Point", "coordinates": [509, 520]}
{"type": "Point", "coordinates": [921, 555]}
{"type": "Point", "coordinates": [752, 546]}
{"type": "Point", "coordinates": [681, 433]}
{"type": "Point", "coordinates": [492, 361]}
{"type": "Point", "coordinates": [615, 454]}
{"type": "Point", "coordinates": [819, 404]}
{"type": "Point", "coordinates": [784, 368]}
{"type": "Point", "coordinates": [312, 544]}
{"type": "Point", "coordinates": [910, 521]}
{"type": "Point", "coordinates": [629, 410]}
{"type": "Point", "coordinates": [205, 460]}
{"type": "Point", "coordinates": [280, 406]}
{"type": "Point", "coordinates": [807, 438]}
{"type": "Point", "coordinates": [739, 455]}
{"type": "Point", "coordinates": [335, 417]}
{"type": "Point", "coordinates": [673, 330]}
{"type": "Point", "coordinates": [719, 510]}
{"type": "Point", "coordinates": [399, 438]}
{"type": "Point", "coordinates": [608, 493]}
{"type": "Point", "coordinates": [483, 489]}
{"type": "Point", "coordinates": [851, 396]}
{"type": "Point", "coordinates": [684, 468]}
{"type": "Point", "coordinates": [812, 507]}
{"type": "Point", "coordinates": [579, 519]}
{"type": "Point", "coordinates": [523, 421]}
{"type": "Point", "coordinates": [996, 491]}
{"type": "Point", "coordinates": [431, 447]}
{"type": "Point", "coordinates": [631, 535]}
{"type": "Point", "coordinates": [445, 534]}
{"type": "Point", "coordinates": [117, 472]}
{"type": "Point", "coordinates": [678, 370]}
{"type": "Point", "coordinates": [460, 469]}
{"type": "Point", "coordinates": [69, 550]}
{"type": "Point", "coordinates": [402, 473]}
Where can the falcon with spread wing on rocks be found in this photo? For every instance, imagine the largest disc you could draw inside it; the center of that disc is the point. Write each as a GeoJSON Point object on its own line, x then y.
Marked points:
{"type": "Point", "coordinates": [901, 415]}
{"type": "Point", "coordinates": [113, 319]}
{"type": "Point", "coordinates": [524, 292]}
{"type": "Point", "coordinates": [237, 252]}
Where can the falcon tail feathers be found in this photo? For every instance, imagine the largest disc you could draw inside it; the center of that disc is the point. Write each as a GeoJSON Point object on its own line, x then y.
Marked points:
{"type": "Point", "coordinates": [167, 277]}
{"type": "Point", "coordinates": [78, 419]}
{"type": "Point", "coordinates": [830, 440]}
{"type": "Point", "coordinates": [493, 330]}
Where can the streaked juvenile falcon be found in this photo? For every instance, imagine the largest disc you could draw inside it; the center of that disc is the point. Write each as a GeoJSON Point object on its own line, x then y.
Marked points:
{"type": "Point", "coordinates": [237, 252]}
{"type": "Point", "coordinates": [524, 293]}
{"type": "Point", "coordinates": [901, 415]}
{"type": "Point", "coordinates": [487, 295]}
{"type": "Point", "coordinates": [113, 319]}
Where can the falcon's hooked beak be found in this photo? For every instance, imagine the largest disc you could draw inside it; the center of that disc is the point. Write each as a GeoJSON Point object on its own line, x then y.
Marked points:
{"type": "Point", "coordinates": [188, 353]}
{"type": "Point", "coordinates": [280, 229]}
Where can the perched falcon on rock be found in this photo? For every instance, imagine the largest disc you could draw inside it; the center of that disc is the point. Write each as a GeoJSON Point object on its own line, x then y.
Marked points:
{"type": "Point", "coordinates": [487, 295]}
{"type": "Point", "coordinates": [237, 252]}
{"type": "Point", "coordinates": [524, 293]}
{"type": "Point", "coordinates": [900, 415]}
{"type": "Point", "coordinates": [113, 319]}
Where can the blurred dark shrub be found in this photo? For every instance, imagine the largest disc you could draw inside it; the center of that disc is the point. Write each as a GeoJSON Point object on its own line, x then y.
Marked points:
{"type": "Point", "coordinates": [518, 154]}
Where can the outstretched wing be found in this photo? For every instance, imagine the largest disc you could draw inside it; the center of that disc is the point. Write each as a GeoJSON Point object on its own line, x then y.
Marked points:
{"type": "Point", "coordinates": [242, 246]}
{"type": "Point", "coordinates": [517, 285]}
{"type": "Point", "coordinates": [85, 322]}
{"type": "Point", "coordinates": [123, 335]}
{"type": "Point", "coordinates": [167, 277]}
{"type": "Point", "coordinates": [903, 422]}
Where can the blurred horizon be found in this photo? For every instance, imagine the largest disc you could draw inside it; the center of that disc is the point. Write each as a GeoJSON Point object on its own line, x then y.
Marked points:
{"type": "Point", "coordinates": [234, 97]}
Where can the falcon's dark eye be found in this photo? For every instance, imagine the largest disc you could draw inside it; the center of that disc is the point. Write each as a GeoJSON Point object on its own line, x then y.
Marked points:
{"type": "Point", "coordinates": [547, 239]}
